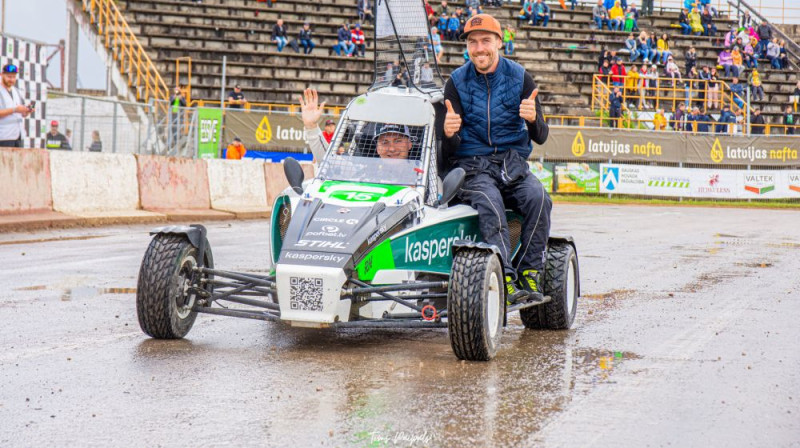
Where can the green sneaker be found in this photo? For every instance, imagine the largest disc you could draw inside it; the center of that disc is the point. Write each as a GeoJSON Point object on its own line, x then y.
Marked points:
{"type": "Point", "coordinates": [530, 280]}
{"type": "Point", "coordinates": [514, 293]}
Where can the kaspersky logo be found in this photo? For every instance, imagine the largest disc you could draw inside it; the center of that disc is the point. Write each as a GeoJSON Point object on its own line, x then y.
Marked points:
{"type": "Point", "coordinates": [717, 155]}
{"type": "Point", "coordinates": [429, 250]}
{"type": "Point", "coordinates": [264, 131]}
{"type": "Point", "coordinates": [578, 145]}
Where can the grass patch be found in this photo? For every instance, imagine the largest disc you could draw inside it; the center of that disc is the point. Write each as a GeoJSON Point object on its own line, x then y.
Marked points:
{"type": "Point", "coordinates": [625, 200]}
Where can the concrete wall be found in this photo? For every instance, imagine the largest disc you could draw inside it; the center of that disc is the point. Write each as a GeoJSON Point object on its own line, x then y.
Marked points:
{"type": "Point", "coordinates": [24, 181]}
{"type": "Point", "coordinates": [172, 183]}
{"type": "Point", "coordinates": [86, 182]}
{"type": "Point", "coordinates": [237, 185]}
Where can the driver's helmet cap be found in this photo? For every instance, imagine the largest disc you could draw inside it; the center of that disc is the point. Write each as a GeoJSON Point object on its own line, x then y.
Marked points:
{"type": "Point", "coordinates": [393, 129]}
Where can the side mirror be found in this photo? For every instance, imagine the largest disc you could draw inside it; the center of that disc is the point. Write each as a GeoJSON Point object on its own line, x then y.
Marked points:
{"type": "Point", "coordinates": [451, 184]}
{"type": "Point", "coordinates": [294, 174]}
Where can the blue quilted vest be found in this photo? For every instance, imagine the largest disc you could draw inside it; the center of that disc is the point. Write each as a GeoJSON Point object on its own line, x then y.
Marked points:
{"type": "Point", "coordinates": [491, 121]}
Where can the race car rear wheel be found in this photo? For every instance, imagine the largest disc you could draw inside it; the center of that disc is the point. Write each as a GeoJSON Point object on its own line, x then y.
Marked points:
{"type": "Point", "coordinates": [475, 302]}
{"type": "Point", "coordinates": [163, 302]}
{"type": "Point", "coordinates": [561, 281]}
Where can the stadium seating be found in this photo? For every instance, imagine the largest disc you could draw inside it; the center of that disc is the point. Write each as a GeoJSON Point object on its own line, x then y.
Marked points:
{"type": "Point", "coordinates": [562, 57]}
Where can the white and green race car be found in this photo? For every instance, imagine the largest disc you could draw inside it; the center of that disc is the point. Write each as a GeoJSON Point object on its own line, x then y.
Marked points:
{"type": "Point", "coordinates": [368, 242]}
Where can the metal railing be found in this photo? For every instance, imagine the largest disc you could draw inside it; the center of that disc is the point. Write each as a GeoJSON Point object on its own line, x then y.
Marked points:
{"type": "Point", "coordinates": [268, 107]}
{"type": "Point", "coordinates": [127, 51]}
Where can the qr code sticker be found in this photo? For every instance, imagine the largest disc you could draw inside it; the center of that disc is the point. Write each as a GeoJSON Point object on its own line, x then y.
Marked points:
{"type": "Point", "coordinates": [305, 294]}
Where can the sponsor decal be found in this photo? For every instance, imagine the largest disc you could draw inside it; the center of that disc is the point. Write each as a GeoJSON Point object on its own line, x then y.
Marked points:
{"type": "Point", "coordinates": [577, 178]}
{"type": "Point", "coordinates": [358, 192]}
{"type": "Point", "coordinates": [321, 244]}
{"type": "Point", "coordinates": [668, 182]}
{"type": "Point", "coordinates": [313, 257]}
{"type": "Point", "coordinates": [326, 219]}
{"type": "Point", "coordinates": [647, 149]}
{"type": "Point", "coordinates": [716, 152]}
{"type": "Point", "coordinates": [759, 183]}
{"type": "Point", "coordinates": [328, 234]}
{"type": "Point", "coordinates": [610, 177]}
{"type": "Point", "coordinates": [372, 238]}
{"type": "Point", "coordinates": [578, 146]}
{"type": "Point", "coordinates": [330, 229]}
{"type": "Point", "coordinates": [264, 131]}
{"type": "Point", "coordinates": [351, 221]}
{"type": "Point", "coordinates": [429, 250]}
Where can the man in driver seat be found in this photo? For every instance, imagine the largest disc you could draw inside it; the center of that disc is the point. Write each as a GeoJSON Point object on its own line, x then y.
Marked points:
{"type": "Point", "coordinates": [393, 141]}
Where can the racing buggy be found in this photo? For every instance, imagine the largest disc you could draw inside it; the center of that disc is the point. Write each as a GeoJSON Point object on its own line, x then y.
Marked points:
{"type": "Point", "coordinates": [371, 241]}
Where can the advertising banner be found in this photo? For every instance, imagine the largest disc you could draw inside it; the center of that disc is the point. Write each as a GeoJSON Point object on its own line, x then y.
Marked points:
{"type": "Point", "coordinates": [699, 183]}
{"type": "Point", "coordinates": [266, 131]}
{"type": "Point", "coordinates": [209, 123]}
{"type": "Point", "coordinates": [577, 178]}
{"type": "Point", "coordinates": [543, 172]}
{"type": "Point", "coordinates": [605, 144]}
{"type": "Point", "coordinates": [629, 146]}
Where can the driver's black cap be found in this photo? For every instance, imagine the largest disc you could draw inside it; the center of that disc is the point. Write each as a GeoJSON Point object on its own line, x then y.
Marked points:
{"type": "Point", "coordinates": [393, 129]}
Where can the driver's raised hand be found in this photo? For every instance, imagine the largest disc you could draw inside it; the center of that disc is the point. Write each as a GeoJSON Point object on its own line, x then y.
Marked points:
{"type": "Point", "coordinates": [310, 108]}
{"type": "Point", "coordinates": [452, 120]}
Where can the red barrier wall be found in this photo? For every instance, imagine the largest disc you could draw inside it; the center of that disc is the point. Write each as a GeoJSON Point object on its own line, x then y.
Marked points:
{"type": "Point", "coordinates": [168, 183]}
{"type": "Point", "coordinates": [25, 182]}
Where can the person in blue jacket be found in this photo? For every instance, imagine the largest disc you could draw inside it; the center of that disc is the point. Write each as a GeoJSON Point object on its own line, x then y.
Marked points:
{"type": "Point", "coordinates": [492, 116]}
{"type": "Point", "coordinates": [453, 25]}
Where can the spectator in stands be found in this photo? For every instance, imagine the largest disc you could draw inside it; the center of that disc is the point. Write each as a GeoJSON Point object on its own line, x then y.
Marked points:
{"type": "Point", "coordinates": [330, 127]}
{"type": "Point", "coordinates": [401, 79]}
{"type": "Point", "coordinates": [730, 37]}
{"type": "Point", "coordinates": [659, 120]}
{"type": "Point", "coordinates": [690, 58]}
{"type": "Point", "coordinates": [709, 29]}
{"type": "Point", "coordinates": [605, 71]}
{"type": "Point", "coordinates": [635, 16]}
{"type": "Point", "coordinates": [600, 16]}
{"type": "Point", "coordinates": [756, 89]}
{"type": "Point", "coordinates": [679, 117]}
{"type": "Point", "coordinates": [608, 4]}
{"type": "Point", "coordinates": [55, 139]}
{"type": "Point", "coordinates": [364, 11]}
{"type": "Point", "coordinates": [726, 61]}
{"type": "Point", "coordinates": [436, 42]}
{"type": "Point", "coordinates": [426, 75]}
{"type": "Point", "coordinates": [618, 73]}
{"type": "Point", "coordinates": [441, 25]}
{"type": "Point", "coordinates": [453, 25]}
{"type": "Point", "coordinates": [615, 104]}
{"type": "Point", "coordinates": [737, 91]}
{"type": "Point", "coordinates": [757, 122]}
{"type": "Point", "coordinates": [604, 56]}
{"type": "Point", "coordinates": [672, 71]}
{"type": "Point", "coordinates": [652, 83]}
{"type": "Point", "coordinates": [696, 22]}
{"type": "Point", "coordinates": [737, 60]}
{"type": "Point", "coordinates": [701, 122]}
{"type": "Point", "coordinates": [279, 35]}
{"type": "Point", "coordinates": [726, 117]}
{"type": "Point", "coordinates": [541, 13]}
{"type": "Point", "coordinates": [764, 33]}
{"type": "Point", "coordinates": [443, 8]}
{"type": "Point", "coordinates": [789, 120]}
{"type": "Point", "coordinates": [795, 97]}
{"type": "Point", "coordinates": [526, 13]}
{"type": "Point", "coordinates": [683, 21]}
{"type": "Point", "coordinates": [783, 57]}
{"type": "Point", "coordinates": [236, 99]}
{"type": "Point", "coordinates": [746, 21]}
{"type": "Point", "coordinates": [616, 17]}
{"type": "Point", "coordinates": [750, 60]}
{"type": "Point", "coordinates": [645, 49]}
{"type": "Point", "coordinates": [713, 89]}
{"type": "Point", "coordinates": [359, 43]}
{"type": "Point", "coordinates": [692, 85]}
{"type": "Point", "coordinates": [773, 53]}
{"type": "Point", "coordinates": [96, 145]}
{"type": "Point", "coordinates": [429, 12]}
{"type": "Point", "coordinates": [344, 44]}
{"type": "Point", "coordinates": [508, 40]}
{"type": "Point", "coordinates": [630, 45]}
{"type": "Point", "coordinates": [305, 38]}
{"type": "Point", "coordinates": [177, 101]}
{"type": "Point", "coordinates": [632, 84]}
{"type": "Point", "coordinates": [663, 48]}
{"type": "Point", "coordinates": [235, 150]}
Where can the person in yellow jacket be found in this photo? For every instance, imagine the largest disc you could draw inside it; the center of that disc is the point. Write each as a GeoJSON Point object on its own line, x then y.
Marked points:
{"type": "Point", "coordinates": [632, 84]}
{"type": "Point", "coordinates": [662, 45]}
{"type": "Point", "coordinates": [696, 22]}
{"type": "Point", "coordinates": [755, 86]}
{"type": "Point", "coordinates": [659, 120]}
{"type": "Point", "coordinates": [616, 17]}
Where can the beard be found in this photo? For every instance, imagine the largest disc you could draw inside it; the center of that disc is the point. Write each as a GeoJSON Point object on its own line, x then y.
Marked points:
{"type": "Point", "coordinates": [483, 60]}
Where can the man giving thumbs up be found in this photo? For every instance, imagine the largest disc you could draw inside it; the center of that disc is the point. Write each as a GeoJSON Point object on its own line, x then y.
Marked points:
{"type": "Point", "coordinates": [491, 118]}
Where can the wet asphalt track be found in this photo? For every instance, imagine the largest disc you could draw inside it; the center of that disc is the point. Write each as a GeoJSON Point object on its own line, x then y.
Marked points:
{"type": "Point", "coordinates": [688, 335]}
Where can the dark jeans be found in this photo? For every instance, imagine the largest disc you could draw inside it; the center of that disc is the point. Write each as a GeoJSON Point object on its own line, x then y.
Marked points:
{"type": "Point", "coordinates": [499, 181]}
{"type": "Point", "coordinates": [11, 143]}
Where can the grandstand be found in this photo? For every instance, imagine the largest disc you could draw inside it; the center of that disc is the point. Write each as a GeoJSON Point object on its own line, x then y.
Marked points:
{"type": "Point", "coordinates": [561, 57]}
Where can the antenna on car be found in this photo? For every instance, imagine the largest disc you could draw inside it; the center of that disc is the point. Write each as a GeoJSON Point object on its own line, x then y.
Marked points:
{"type": "Point", "coordinates": [403, 42]}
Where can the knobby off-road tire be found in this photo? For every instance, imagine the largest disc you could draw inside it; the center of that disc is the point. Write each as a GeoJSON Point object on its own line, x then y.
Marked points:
{"type": "Point", "coordinates": [475, 304]}
{"type": "Point", "coordinates": [561, 284]}
{"type": "Point", "coordinates": [163, 308]}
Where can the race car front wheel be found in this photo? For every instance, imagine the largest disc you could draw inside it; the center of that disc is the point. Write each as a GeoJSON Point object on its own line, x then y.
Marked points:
{"type": "Point", "coordinates": [475, 304]}
{"type": "Point", "coordinates": [561, 283]}
{"type": "Point", "coordinates": [163, 301]}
